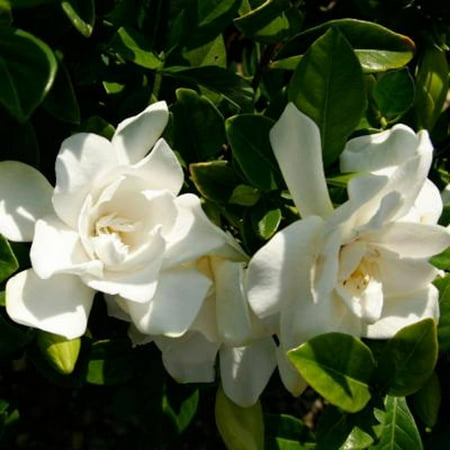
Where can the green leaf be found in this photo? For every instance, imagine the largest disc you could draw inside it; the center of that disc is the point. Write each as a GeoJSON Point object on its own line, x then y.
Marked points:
{"type": "Point", "coordinates": [199, 133]}
{"type": "Point", "coordinates": [338, 366]}
{"type": "Point", "coordinates": [285, 432]}
{"type": "Point", "coordinates": [443, 285]}
{"type": "Point", "coordinates": [398, 429]}
{"type": "Point", "coordinates": [248, 135]}
{"type": "Point", "coordinates": [394, 93]}
{"type": "Point", "coordinates": [409, 358]}
{"type": "Point", "coordinates": [427, 401]}
{"type": "Point", "coordinates": [132, 46]}
{"type": "Point", "coordinates": [244, 195]}
{"type": "Point", "coordinates": [27, 71]}
{"type": "Point", "coordinates": [8, 262]}
{"type": "Point", "coordinates": [97, 125]}
{"type": "Point", "coordinates": [240, 428]}
{"type": "Point", "coordinates": [432, 86]}
{"type": "Point", "coordinates": [61, 101]}
{"type": "Point", "coordinates": [182, 415]}
{"type": "Point", "coordinates": [81, 13]}
{"type": "Point", "coordinates": [234, 88]}
{"type": "Point", "coordinates": [210, 54]}
{"type": "Point", "coordinates": [273, 21]}
{"type": "Point", "coordinates": [378, 48]}
{"type": "Point", "coordinates": [215, 180]}
{"type": "Point", "coordinates": [442, 260]}
{"type": "Point", "coordinates": [5, 13]}
{"type": "Point", "coordinates": [110, 362]}
{"type": "Point", "coordinates": [328, 86]}
{"type": "Point", "coordinates": [61, 353]}
{"type": "Point", "coordinates": [265, 223]}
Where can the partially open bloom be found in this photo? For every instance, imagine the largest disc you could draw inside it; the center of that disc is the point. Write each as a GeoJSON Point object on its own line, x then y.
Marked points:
{"type": "Point", "coordinates": [361, 268]}
{"type": "Point", "coordinates": [113, 223]}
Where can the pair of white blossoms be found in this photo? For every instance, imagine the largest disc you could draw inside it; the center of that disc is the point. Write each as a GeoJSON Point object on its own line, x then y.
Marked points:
{"type": "Point", "coordinates": [115, 223]}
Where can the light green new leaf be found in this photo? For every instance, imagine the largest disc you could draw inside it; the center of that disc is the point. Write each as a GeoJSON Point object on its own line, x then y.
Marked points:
{"type": "Point", "coordinates": [27, 71]}
{"type": "Point", "coordinates": [81, 13]}
{"type": "Point", "coordinates": [328, 86]}
{"type": "Point", "coordinates": [432, 86]}
{"type": "Point", "coordinates": [409, 358]}
{"type": "Point", "coordinates": [248, 135]}
{"type": "Point", "coordinates": [398, 428]}
{"type": "Point", "coordinates": [8, 262]}
{"type": "Point", "coordinates": [338, 366]}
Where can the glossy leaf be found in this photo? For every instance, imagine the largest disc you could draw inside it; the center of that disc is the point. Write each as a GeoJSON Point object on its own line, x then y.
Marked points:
{"type": "Point", "coordinates": [378, 48]}
{"type": "Point", "coordinates": [8, 262]}
{"type": "Point", "coordinates": [215, 180]}
{"type": "Point", "coordinates": [328, 86]}
{"type": "Point", "coordinates": [199, 133]}
{"type": "Point", "coordinates": [210, 54]}
{"type": "Point", "coordinates": [240, 428]}
{"type": "Point", "coordinates": [394, 93]}
{"type": "Point", "coordinates": [81, 13]}
{"type": "Point", "coordinates": [132, 46]}
{"type": "Point", "coordinates": [248, 135]}
{"type": "Point", "coordinates": [432, 86]}
{"type": "Point", "coordinates": [27, 71]}
{"type": "Point", "coordinates": [338, 366]}
{"type": "Point", "coordinates": [265, 222]}
{"type": "Point", "coordinates": [61, 353]}
{"type": "Point", "coordinates": [409, 358]}
{"type": "Point", "coordinates": [398, 428]}
{"type": "Point", "coordinates": [427, 401]}
{"type": "Point", "coordinates": [234, 88]}
{"type": "Point", "coordinates": [274, 20]}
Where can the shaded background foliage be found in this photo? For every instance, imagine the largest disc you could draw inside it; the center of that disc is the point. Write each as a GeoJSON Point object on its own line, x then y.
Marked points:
{"type": "Point", "coordinates": [84, 65]}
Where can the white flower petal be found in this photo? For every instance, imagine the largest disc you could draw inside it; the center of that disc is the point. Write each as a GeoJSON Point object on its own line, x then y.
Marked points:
{"type": "Point", "coordinates": [194, 235]}
{"type": "Point", "coordinates": [57, 249]}
{"type": "Point", "coordinates": [377, 151]}
{"type": "Point", "coordinates": [413, 240]}
{"type": "Point", "coordinates": [289, 375]}
{"type": "Point", "coordinates": [161, 169]}
{"type": "Point", "coordinates": [175, 304]}
{"type": "Point", "coordinates": [401, 311]}
{"type": "Point", "coordinates": [59, 305]}
{"type": "Point", "coordinates": [280, 266]}
{"type": "Point", "coordinates": [136, 135]}
{"type": "Point", "coordinates": [245, 371]}
{"type": "Point", "coordinates": [83, 160]}
{"type": "Point", "coordinates": [206, 320]}
{"type": "Point", "coordinates": [233, 317]}
{"type": "Point", "coordinates": [25, 196]}
{"type": "Point", "coordinates": [188, 359]}
{"type": "Point", "coordinates": [295, 140]}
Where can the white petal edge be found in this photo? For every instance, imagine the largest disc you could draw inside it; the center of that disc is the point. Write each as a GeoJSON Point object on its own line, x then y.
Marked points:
{"type": "Point", "coordinates": [59, 305]}
{"type": "Point", "coordinates": [25, 196]}
{"type": "Point", "coordinates": [295, 140]}
{"type": "Point", "coordinates": [136, 135]}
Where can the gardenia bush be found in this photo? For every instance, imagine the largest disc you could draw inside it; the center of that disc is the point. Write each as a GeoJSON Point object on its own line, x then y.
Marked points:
{"type": "Point", "coordinates": [244, 215]}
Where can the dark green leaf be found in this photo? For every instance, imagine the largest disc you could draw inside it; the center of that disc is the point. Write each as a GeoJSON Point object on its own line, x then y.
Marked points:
{"type": "Point", "coordinates": [61, 101]}
{"type": "Point", "coordinates": [8, 262]}
{"type": "Point", "coordinates": [27, 71]}
{"type": "Point", "coordinates": [81, 13]}
{"type": "Point", "coordinates": [443, 284]}
{"type": "Point", "coordinates": [210, 54]}
{"type": "Point", "coordinates": [5, 13]}
{"type": "Point", "coordinates": [132, 46]}
{"type": "Point", "coordinates": [182, 415]}
{"type": "Point", "coordinates": [248, 135]}
{"type": "Point", "coordinates": [398, 429]}
{"type": "Point", "coordinates": [409, 358]}
{"type": "Point", "coordinates": [427, 401]}
{"type": "Point", "coordinates": [12, 338]}
{"type": "Point", "coordinates": [215, 180]}
{"type": "Point", "coordinates": [97, 125]}
{"type": "Point", "coordinates": [285, 432]}
{"type": "Point", "coordinates": [431, 85]}
{"type": "Point", "coordinates": [273, 21]}
{"type": "Point", "coordinates": [328, 86]}
{"type": "Point", "coordinates": [199, 133]}
{"type": "Point", "coordinates": [394, 93]}
{"type": "Point", "coordinates": [338, 366]}
{"type": "Point", "coordinates": [234, 88]}
{"type": "Point", "coordinates": [378, 48]}
{"type": "Point", "coordinates": [244, 195]}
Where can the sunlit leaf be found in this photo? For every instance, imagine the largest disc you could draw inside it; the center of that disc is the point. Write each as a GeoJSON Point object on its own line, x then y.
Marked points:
{"type": "Point", "coordinates": [8, 262]}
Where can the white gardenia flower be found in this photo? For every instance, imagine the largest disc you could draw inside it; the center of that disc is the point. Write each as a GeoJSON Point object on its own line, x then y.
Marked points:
{"type": "Point", "coordinates": [113, 223]}
{"type": "Point", "coordinates": [361, 268]}
{"type": "Point", "coordinates": [225, 326]}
